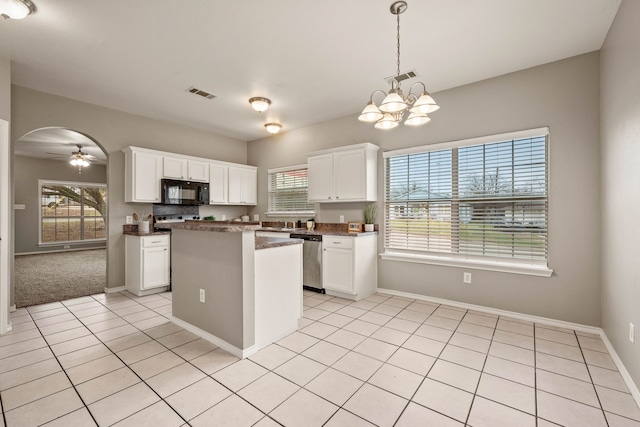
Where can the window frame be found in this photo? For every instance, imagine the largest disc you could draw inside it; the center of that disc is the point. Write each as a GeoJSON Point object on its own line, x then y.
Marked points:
{"type": "Point", "coordinates": [299, 213]}
{"type": "Point", "coordinates": [45, 182]}
{"type": "Point", "coordinates": [482, 262]}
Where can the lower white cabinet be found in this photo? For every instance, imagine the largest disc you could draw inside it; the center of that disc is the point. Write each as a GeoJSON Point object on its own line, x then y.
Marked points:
{"type": "Point", "coordinates": [349, 266]}
{"type": "Point", "coordinates": [147, 264]}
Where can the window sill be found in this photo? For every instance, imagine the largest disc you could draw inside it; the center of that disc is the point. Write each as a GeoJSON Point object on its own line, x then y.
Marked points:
{"type": "Point", "coordinates": [489, 265]}
{"type": "Point", "coordinates": [291, 214]}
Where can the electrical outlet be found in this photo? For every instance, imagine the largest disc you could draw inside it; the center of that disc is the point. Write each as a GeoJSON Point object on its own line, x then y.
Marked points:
{"type": "Point", "coordinates": [466, 277]}
{"type": "Point", "coordinates": [67, 246]}
{"type": "Point", "coordinates": [341, 218]}
{"type": "Point", "coordinates": [128, 219]}
{"type": "Point", "coordinates": [201, 295]}
{"type": "Point", "coordinates": [632, 333]}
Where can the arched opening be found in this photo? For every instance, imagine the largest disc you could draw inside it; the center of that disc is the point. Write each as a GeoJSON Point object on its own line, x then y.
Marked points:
{"type": "Point", "coordinates": [60, 229]}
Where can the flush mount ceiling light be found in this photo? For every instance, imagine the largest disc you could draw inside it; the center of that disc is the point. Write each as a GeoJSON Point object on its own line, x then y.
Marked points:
{"type": "Point", "coordinates": [273, 127]}
{"type": "Point", "coordinates": [79, 159]}
{"type": "Point", "coordinates": [260, 104]}
{"type": "Point", "coordinates": [393, 107]}
{"type": "Point", "coordinates": [16, 9]}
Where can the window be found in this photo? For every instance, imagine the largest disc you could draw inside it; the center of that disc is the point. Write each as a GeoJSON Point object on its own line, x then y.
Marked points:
{"type": "Point", "coordinates": [288, 191]}
{"type": "Point", "coordinates": [480, 199]}
{"type": "Point", "coordinates": [72, 211]}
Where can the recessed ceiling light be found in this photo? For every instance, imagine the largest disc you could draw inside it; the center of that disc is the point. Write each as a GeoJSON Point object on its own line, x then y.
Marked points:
{"type": "Point", "coordinates": [16, 9]}
{"type": "Point", "coordinates": [259, 104]}
{"type": "Point", "coordinates": [273, 127]}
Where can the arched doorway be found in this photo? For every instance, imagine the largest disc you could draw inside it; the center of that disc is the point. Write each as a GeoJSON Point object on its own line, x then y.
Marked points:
{"type": "Point", "coordinates": [60, 228]}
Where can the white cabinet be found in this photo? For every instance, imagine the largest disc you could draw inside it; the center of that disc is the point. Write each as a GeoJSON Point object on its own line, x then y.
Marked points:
{"type": "Point", "coordinates": [345, 174]}
{"type": "Point", "coordinates": [146, 264]}
{"type": "Point", "coordinates": [143, 171]}
{"type": "Point", "coordinates": [243, 186]}
{"type": "Point", "coordinates": [349, 267]}
{"type": "Point", "coordinates": [181, 168]}
{"type": "Point", "coordinates": [218, 183]}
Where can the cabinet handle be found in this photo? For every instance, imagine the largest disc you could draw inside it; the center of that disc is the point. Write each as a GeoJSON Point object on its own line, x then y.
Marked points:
{"type": "Point", "coordinates": [156, 241]}
{"type": "Point", "coordinates": [337, 243]}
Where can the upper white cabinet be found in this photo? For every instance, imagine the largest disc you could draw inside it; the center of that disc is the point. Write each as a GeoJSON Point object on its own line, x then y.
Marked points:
{"type": "Point", "coordinates": [243, 185]}
{"type": "Point", "coordinates": [218, 183]}
{"type": "Point", "coordinates": [143, 171]}
{"type": "Point", "coordinates": [181, 168]}
{"type": "Point", "coordinates": [344, 174]}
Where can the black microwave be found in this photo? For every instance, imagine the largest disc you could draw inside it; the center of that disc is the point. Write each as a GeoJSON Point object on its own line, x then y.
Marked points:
{"type": "Point", "coordinates": [176, 192]}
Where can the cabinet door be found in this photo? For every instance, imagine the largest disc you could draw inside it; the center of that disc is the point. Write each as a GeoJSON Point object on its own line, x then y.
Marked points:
{"type": "Point", "coordinates": [146, 177]}
{"type": "Point", "coordinates": [349, 173]}
{"type": "Point", "coordinates": [155, 267]}
{"type": "Point", "coordinates": [320, 170]}
{"type": "Point", "coordinates": [235, 185]}
{"type": "Point", "coordinates": [174, 168]}
{"type": "Point", "coordinates": [337, 269]}
{"type": "Point", "coordinates": [198, 171]}
{"type": "Point", "coordinates": [218, 184]}
{"type": "Point", "coordinates": [250, 186]}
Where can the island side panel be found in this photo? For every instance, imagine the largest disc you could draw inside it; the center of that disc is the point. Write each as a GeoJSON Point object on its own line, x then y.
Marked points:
{"type": "Point", "coordinates": [214, 262]}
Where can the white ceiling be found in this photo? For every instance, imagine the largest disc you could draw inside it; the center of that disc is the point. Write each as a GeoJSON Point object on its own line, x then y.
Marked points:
{"type": "Point", "coordinates": [316, 60]}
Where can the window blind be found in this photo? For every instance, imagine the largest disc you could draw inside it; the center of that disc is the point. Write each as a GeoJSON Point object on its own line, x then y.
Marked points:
{"type": "Point", "coordinates": [288, 191]}
{"type": "Point", "coordinates": [478, 200]}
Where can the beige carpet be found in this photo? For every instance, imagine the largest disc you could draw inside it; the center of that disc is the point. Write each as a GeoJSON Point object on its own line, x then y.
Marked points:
{"type": "Point", "coordinates": [53, 277]}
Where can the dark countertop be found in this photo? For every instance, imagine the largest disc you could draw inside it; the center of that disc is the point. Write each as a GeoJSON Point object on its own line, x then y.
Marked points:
{"type": "Point", "coordinates": [150, 233]}
{"type": "Point", "coordinates": [274, 242]}
{"type": "Point", "coordinates": [316, 232]}
{"type": "Point", "coordinates": [215, 226]}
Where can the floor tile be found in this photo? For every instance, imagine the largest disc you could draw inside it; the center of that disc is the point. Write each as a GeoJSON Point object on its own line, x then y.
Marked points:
{"type": "Point", "coordinates": [154, 365]}
{"type": "Point", "coordinates": [442, 398]}
{"type": "Point", "coordinates": [514, 338]}
{"type": "Point", "coordinates": [197, 398]}
{"type": "Point", "coordinates": [509, 352]}
{"type": "Point", "coordinates": [214, 361]}
{"type": "Point", "coordinates": [300, 370]}
{"type": "Point", "coordinates": [618, 403]}
{"type": "Point", "coordinates": [351, 311]}
{"type": "Point", "coordinates": [272, 356]}
{"type": "Point", "coordinates": [74, 344]}
{"type": "Point", "coordinates": [315, 313]}
{"type": "Point", "coordinates": [239, 374]}
{"type": "Point", "coordinates": [375, 318]}
{"type": "Point", "coordinates": [608, 378]}
{"type": "Point", "coordinates": [418, 416]}
{"type": "Point", "coordinates": [455, 375]}
{"type": "Point", "coordinates": [337, 320]}
{"type": "Point", "coordinates": [412, 361]}
{"type": "Point", "coordinates": [175, 379]}
{"type": "Point", "coordinates": [485, 413]}
{"type": "Point", "coordinates": [346, 339]}
{"type": "Point", "coordinates": [511, 371]}
{"type": "Point", "coordinates": [297, 342]}
{"type": "Point", "coordinates": [43, 410]}
{"type": "Point", "coordinates": [508, 393]}
{"type": "Point", "coordinates": [25, 359]}
{"type": "Point", "coordinates": [363, 305]}
{"type": "Point", "coordinates": [123, 404]}
{"type": "Point", "coordinates": [105, 325]}
{"type": "Point", "coordinates": [403, 325]}
{"type": "Point", "coordinates": [482, 320]}
{"type": "Point", "coordinates": [476, 330]}
{"type": "Point", "coordinates": [568, 387]}
{"type": "Point", "coordinates": [86, 371]}
{"type": "Point", "coordinates": [596, 358]}
{"type": "Point", "coordinates": [385, 309]}
{"type": "Point", "coordinates": [304, 408]}
{"type": "Point", "coordinates": [517, 327]}
{"type": "Point", "coordinates": [471, 342]}
{"type": "Point", "coordinates": [399, 301]}
{"type": "Point", "coordinates": [562, 366]}
{"type": "Point", "coordinates": [114, 333]}
{"type": "Point", "coordinates": [560, 350]}
{"type": "Point", "coordinates": [140, 352]}
{"type": "Point", "coordinates": [163, 330]}
{"type": "Point", "coordinates": [358, 365]}
{"type": "Point", "coordinates": [107, 384]}
{"type": "Point", "coordinates": [325, 353]}
{"type": "Point", "coordinates": [396, 380]}
{"type": "Point", "coordinates": [618, 421]}
{"type": "Point", "coordinates": [231, 412]}
{"type": "Point", "coordinates": [568, 412]}
{"type": "Point", "coordinates": [442, 322]}
{"type": "Point", "coordinates": [334, 386]}
{"type": "Point", "coordinates": [424, 345]}
{"type": "Point", "coordinates": [376, 349]}
{"type": "Point", "coordinates": [60, 327]}
{"type": "Point", "coordinates": [463, 356]}
{"type": "Point", "coordinates": [329, 306]}
{"type": "Point", "coordinates": [434, 333]}
{"type": "Point", "coordinates": [268, 391]}
{"type": "Point", "coordinates": [591, 343]}
{"type": "Point", "coordinates": [128, 341]}
{"type": "Point", "coordinates": [391, 336]}
{"type": "Point", "coordinates": [157, 415]}
{"type": "Point", "coordinates": [79, 417]}
{"type": "Point", "coordinates": [343, 418]}
{"type": "Point", "coordinates": [363, 328]}
{"type": "Point", "coordinates": [414, 316]}
{"type": "Point", "coordinates": [34, 390]}
{"type": "Point", "coordinates": [28, 373]}
{"type": "Point", "coordinates": [177, 339]}
{"type": "Point", "coordinates": [13, 338]}
{"type": "Point", "coordinates": [22, 347]}
{"type": "Point", "coordinates": [376, 405]}
{"type": "Point", "coordinates": [319, 330]}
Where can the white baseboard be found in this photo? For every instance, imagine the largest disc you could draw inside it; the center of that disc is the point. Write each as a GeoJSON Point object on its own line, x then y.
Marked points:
{"type": "Point", "coordinates": [633, 388]}
{"type": "Point", "coordinates": [55, 251]}
{"type": "Point", "coordinates": [230, 348]}
{"type": "Point", "coordinates": [12, 308]}
{"type": "Point", "coordinates": [114, 290]}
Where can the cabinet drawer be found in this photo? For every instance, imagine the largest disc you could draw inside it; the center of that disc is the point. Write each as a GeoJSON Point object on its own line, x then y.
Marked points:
{"type": "Point", "coordinates": [151, 241]}
{"type": "Point", "coordinates": [337, 242]}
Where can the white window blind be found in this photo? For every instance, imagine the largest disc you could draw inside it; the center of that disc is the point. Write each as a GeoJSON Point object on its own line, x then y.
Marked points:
{"type": "Point", "coordinates": [470, 199]}
{"type": "Point", "coordinates": [288, 191]}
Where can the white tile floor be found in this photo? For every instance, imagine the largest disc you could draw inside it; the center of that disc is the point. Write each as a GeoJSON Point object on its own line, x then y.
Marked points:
{"type": "Point", "coordinates": [116, 360]}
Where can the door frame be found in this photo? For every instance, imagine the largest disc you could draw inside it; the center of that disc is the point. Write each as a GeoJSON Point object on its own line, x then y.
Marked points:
{"type": "Point", "coordinates": [5, 220]}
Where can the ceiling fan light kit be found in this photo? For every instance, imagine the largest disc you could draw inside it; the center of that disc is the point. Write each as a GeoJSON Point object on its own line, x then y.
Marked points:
{"type": "Point", "coordinates": [79, 159]}
{"type": "Point", "coordinates": [391, 111]}
{"type": "Point", "coordinates": [16, 9]}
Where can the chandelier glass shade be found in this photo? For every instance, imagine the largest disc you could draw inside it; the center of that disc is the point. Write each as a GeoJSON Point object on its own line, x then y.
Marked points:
{"type": "Point", "coordinates": [79, 159]}
{"type": "Point", "coordinates": [394, 105]}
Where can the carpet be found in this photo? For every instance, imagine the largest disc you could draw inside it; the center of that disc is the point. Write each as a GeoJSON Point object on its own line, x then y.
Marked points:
{"type": "Point", "coordinates": [44, 278]}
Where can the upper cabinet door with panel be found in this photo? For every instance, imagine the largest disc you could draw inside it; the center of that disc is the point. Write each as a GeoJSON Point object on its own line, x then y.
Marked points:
{"type": "Point", "coordinates": [344, 174]}
{"type": "Point", "coordinates": [143, 171]}
{"type": "Point", "coordinates": [198, 171]}
{"type": "Point", "coordinates": [243, 186]}
{"type": "Point", "coordinates": [174, 167]}
{"type": "Point", "coordinates": [218, 186]}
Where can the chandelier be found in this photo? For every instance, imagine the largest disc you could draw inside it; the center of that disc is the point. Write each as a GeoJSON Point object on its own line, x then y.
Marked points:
{"type": "Point", "coordinates": [394, 105]}
{"type": "Point", "coordinates": [16, 9]}
{"type": "Point", "coordinates": [79, 159]}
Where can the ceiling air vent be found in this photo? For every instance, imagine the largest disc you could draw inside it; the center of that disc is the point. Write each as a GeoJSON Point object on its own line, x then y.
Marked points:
{"type": "Point", "coordinates": [201, 93]}
{"type": "Point", "coordinates": [402, 76]}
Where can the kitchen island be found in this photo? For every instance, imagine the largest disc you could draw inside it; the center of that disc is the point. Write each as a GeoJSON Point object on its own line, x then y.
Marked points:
{"type": "Point", "coordinates": [233, 289]}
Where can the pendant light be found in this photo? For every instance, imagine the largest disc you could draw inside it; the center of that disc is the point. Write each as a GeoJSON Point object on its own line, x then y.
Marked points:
{"type": "Point", "coordinates": [394, 105]}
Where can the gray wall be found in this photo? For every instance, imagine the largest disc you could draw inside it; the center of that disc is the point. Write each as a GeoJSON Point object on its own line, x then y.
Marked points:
{"type": "Point", "coordinates": [563, 95]}
{"type": "Point", "coordinates": [114, 130]}
{"type": "Point", "coordinates": [27, 172]}
{"type": "Point", "coordinates": [5, 88]}
{"type": "Point", "coordinates": [620, 150]}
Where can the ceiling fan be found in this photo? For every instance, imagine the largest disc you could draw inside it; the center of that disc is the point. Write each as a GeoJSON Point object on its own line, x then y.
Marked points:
{"type": "Point", "coordinates": [80, 159]}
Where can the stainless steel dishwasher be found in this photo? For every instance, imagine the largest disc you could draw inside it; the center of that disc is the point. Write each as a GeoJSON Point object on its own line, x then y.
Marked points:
{"type": "Point", "coordinates": [311, 261]}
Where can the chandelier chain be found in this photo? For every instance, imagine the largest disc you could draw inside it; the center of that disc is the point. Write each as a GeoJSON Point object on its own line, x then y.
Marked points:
{"type": "Point", "coordinates": [398, 31]}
